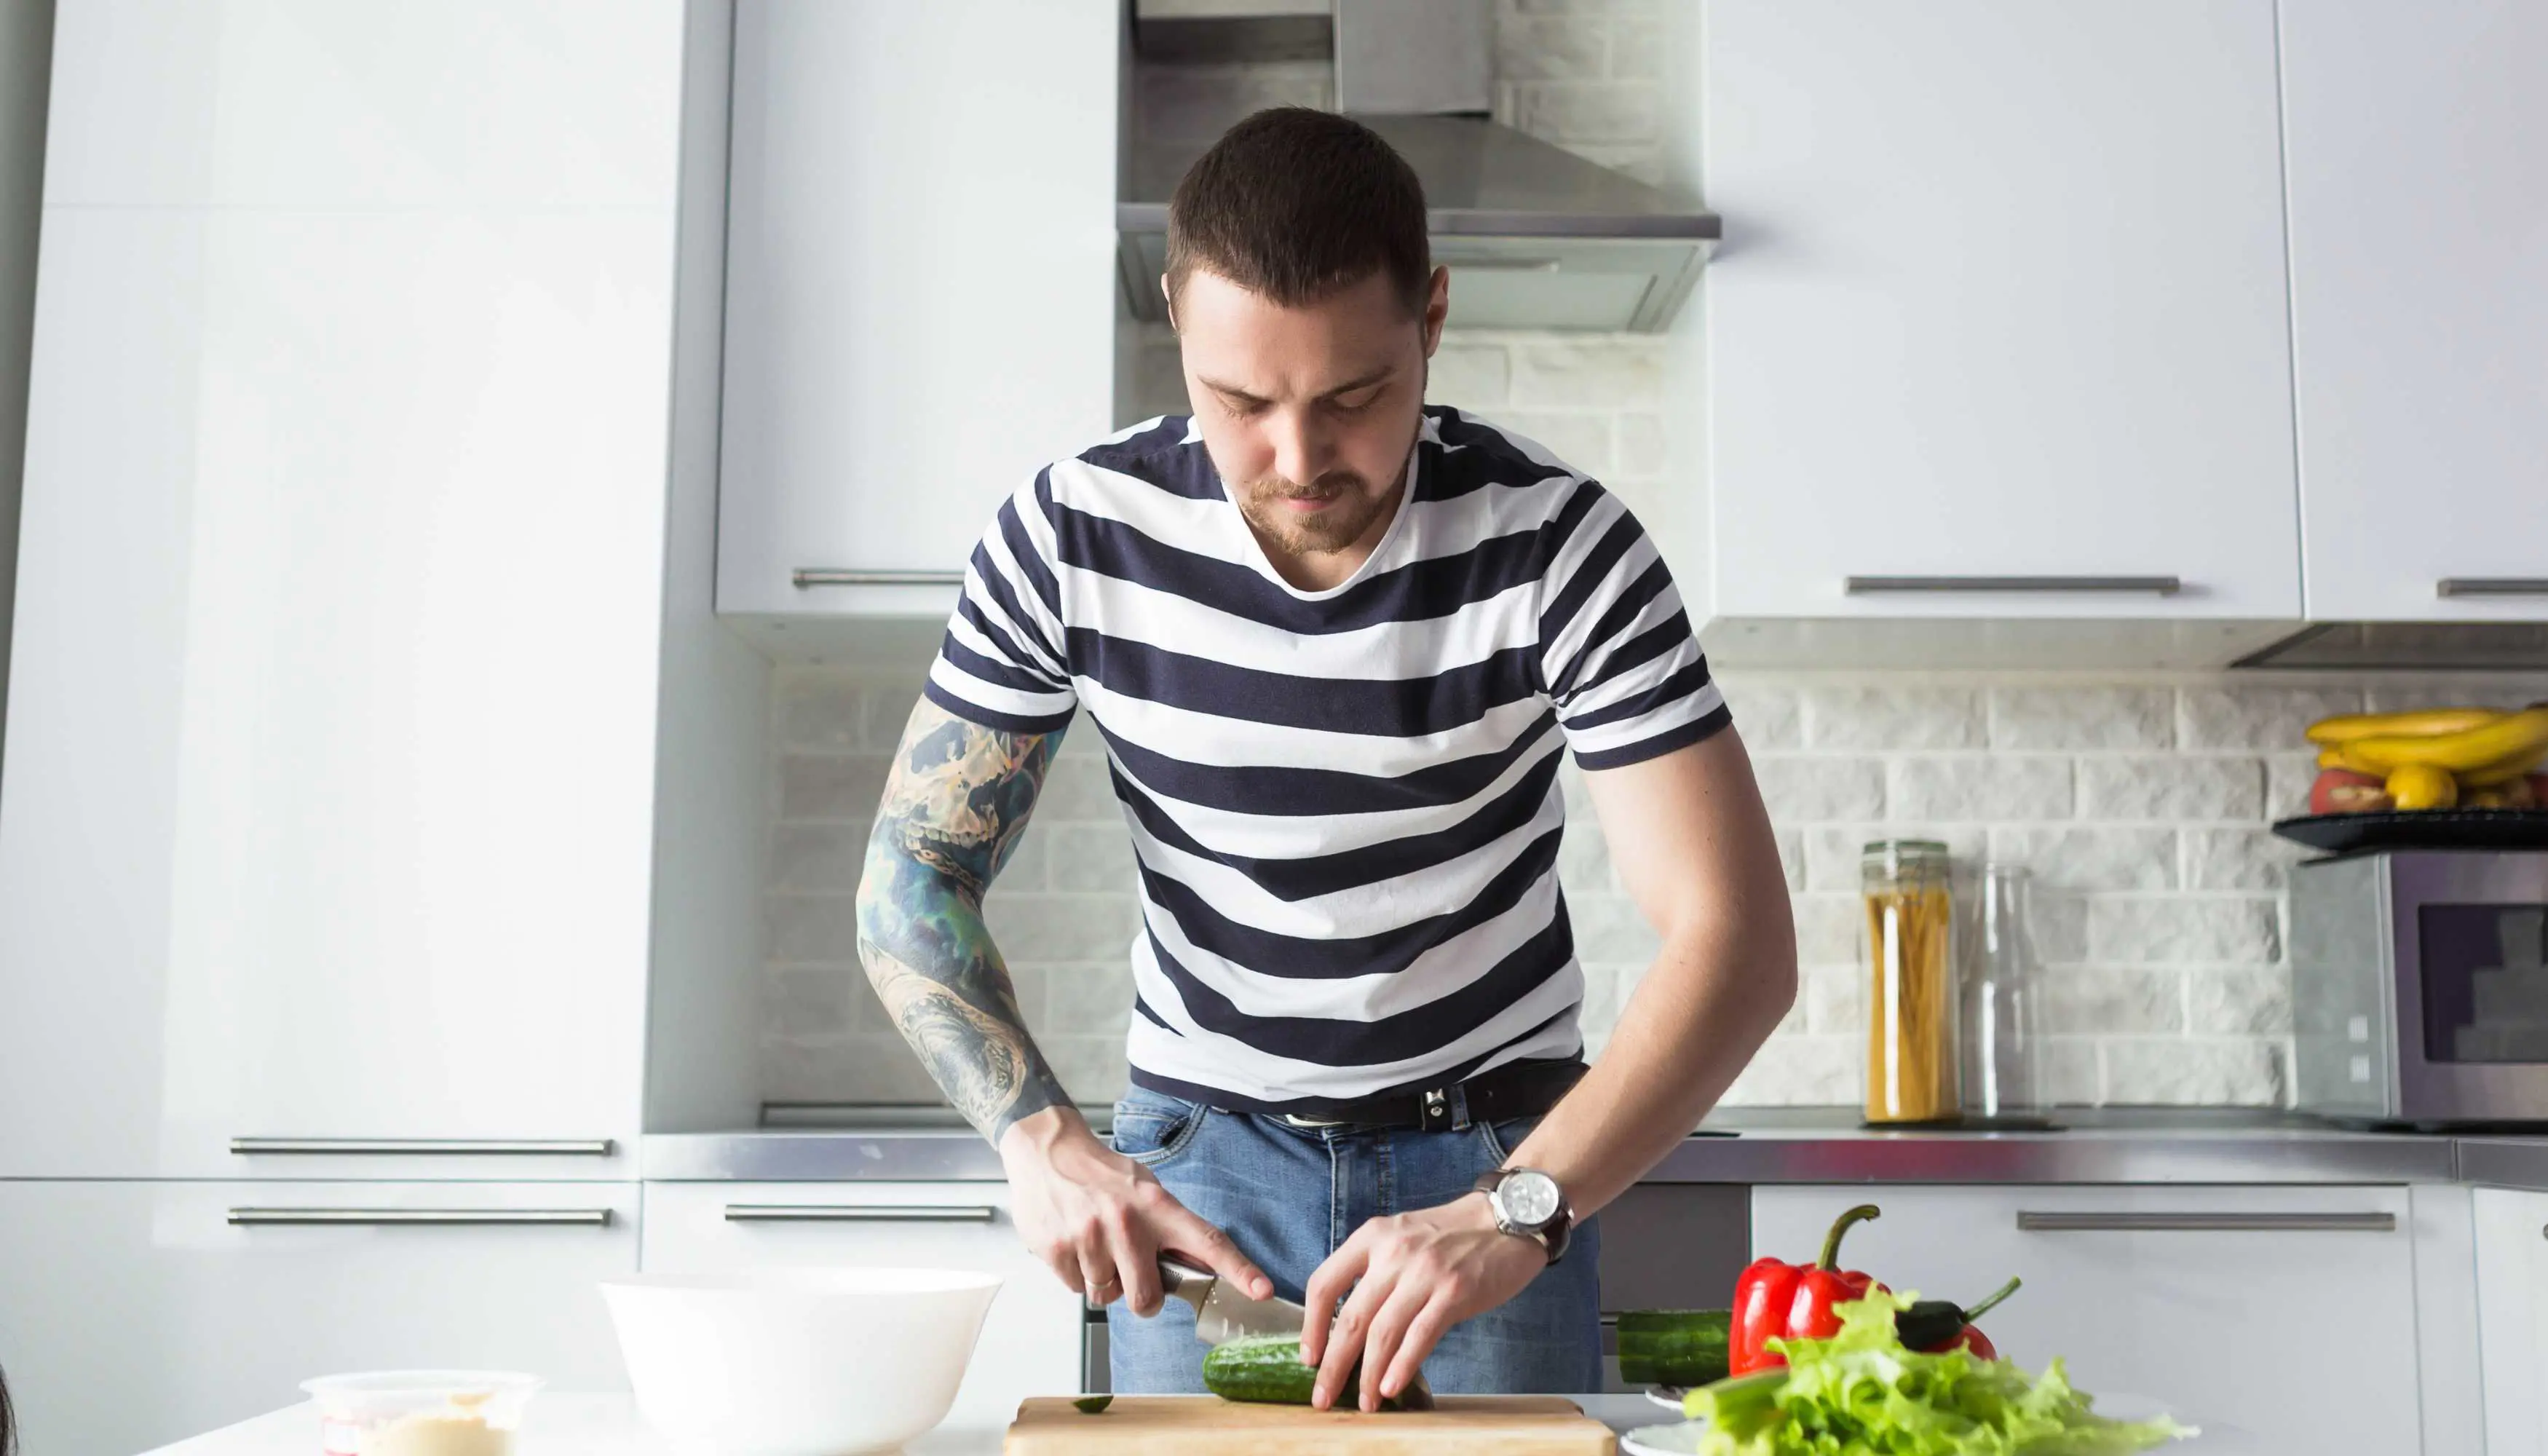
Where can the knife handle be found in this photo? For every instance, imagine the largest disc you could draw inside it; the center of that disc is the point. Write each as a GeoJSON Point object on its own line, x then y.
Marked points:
{"type": "Point", "coordinates": [1181, 1280]}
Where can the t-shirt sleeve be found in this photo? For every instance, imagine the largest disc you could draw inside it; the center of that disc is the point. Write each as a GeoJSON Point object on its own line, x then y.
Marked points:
{"type": "Point", "coordinates": [1616, 650]}
{"type": "Point", "coordinates": [1004, 661]}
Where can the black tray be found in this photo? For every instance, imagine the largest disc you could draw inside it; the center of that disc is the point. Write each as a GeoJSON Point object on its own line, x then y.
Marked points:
{"type": "Point", "coordinates": [2420, 829]}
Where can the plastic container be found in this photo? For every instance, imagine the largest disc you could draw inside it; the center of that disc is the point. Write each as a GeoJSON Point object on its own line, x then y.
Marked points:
{"type": "Point", "coordinates": [420, 1412]}
{"type": "Point", "coordinates": [1911, 1006]}
{"type": "Point", "coordinates": [2003, 1007]}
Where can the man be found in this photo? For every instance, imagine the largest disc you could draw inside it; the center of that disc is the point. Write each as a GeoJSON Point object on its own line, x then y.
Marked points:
{"type": "Point", "coordinates": [1335, 643]}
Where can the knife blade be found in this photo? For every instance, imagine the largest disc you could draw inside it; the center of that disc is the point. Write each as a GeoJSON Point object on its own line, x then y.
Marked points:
{"type": "Point", "coordinates": [1223, 1314]}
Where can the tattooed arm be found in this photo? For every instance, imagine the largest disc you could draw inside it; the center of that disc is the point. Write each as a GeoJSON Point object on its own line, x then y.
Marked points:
{"type": "Point", "coordinates": [955, 804]}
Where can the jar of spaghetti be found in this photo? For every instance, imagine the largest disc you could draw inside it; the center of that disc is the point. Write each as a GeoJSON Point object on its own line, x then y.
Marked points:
{"type": "Point", "coordinates": [1911, 1006]}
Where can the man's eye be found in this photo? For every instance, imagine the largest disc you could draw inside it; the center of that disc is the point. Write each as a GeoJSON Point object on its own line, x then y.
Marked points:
{"type": "Point", "coordinates": [1243, 409]}
{"type": "Point", "coordinates": [1355, 406]}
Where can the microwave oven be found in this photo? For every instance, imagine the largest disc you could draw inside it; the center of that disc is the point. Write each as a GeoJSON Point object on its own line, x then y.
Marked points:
{"type": "Point", "coordinates": [2420, 987]}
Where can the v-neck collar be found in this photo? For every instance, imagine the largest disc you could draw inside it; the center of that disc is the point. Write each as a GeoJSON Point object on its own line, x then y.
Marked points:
{"type": "Point", "coordinates": [1253, 551]}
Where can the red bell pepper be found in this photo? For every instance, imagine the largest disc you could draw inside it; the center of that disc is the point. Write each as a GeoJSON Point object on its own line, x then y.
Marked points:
{"type": "Point", "coordinates": [1774, 1298]}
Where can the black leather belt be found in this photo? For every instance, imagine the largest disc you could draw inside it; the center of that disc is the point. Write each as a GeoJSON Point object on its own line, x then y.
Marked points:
{"type": "Point", "coordinates": [1523, 1089]}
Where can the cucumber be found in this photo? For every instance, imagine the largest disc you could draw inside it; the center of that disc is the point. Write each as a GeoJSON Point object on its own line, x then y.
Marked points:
{"type": "Point", "coordinates": [1267, 1368]}
{"type": "Point", "coordinates": [1684, 1347]}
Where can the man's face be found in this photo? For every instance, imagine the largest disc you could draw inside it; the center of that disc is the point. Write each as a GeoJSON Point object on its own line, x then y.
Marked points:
{"type": "Point", "coordinates": [1309, 412]}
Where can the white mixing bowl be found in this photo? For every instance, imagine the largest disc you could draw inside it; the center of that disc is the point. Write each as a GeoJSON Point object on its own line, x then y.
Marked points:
{"type": "Point", "coordinates": [797, 1362]}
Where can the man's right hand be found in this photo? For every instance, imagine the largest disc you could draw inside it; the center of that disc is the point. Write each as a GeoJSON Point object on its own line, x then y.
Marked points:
{"type": "Point", "coordinates": [1101, 1220]}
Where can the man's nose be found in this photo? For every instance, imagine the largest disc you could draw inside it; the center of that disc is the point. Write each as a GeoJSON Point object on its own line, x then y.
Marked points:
{"type": "Point", "coordinates": [1302, 451]}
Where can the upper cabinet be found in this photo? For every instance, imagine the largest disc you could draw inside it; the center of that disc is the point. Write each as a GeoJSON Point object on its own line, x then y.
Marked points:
{"type": "Point", "coordinates": [2417, 138]}
{"type": "Point", "coordinates": [328, 809]}
{"type": "Point", "coordinates": [1998, 326]}
{"type": "Point", "coordinates": [920, 287]}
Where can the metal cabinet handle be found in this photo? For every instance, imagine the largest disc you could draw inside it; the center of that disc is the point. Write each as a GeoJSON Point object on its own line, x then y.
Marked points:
{"type": "Point", "coordinates": [2147, 586]}
{"type": "Point", "coordinates": [859, 1213]}
{"type": "Point", "coordinates": [824, 575]}
{"type": "Point", "coordinates": [2030, 1222]}
{"type": "Point", "coordinates": [432, 1147]}
{"type": "Point", "coordinates": [385, 1218]}
{"type": "Point", "coordinates": [2492, 587]}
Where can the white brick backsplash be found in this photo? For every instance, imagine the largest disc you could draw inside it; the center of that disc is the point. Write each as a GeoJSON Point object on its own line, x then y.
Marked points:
{"type": "Point", "coordinates": [1766, 717]}
{"type": "Point", "coordinates": [1834, 852]}
{"type": "Point", "coordinates": [1091, 1067]}
{"type": "Point", "coordinates": [2090, 859]}
{"type": "Point", "coordinates": [1581, 438]}
{"type": "Point", "coordinates": [1576, 110]}
{"type": "Point", "coordinates": [2184, 931]}
{"type": "Point", "coordinates": [2287, 778]}
{"type": "Point", "coordinates": [1791, 857]}
{"type": "Point", "coordinates": [812, 927]}
{"type": "Point", "coordinates": [1860, 717]}
{"type": "Point", "coordinates": [811, 1001]}
{"type": "Point", "coordinates": [1573, 46]}
{"type": "Point", "coordinates": [1803, 1071]}
{"type": "Point", "coordinates": [1834, 998]}
{"type": "Point", "coordinates": [2239, 1001]}
{"type": "Point", "coordinates": [1077, 789]}
{"type": "Point", "coordinates": [1980, 787]}
{"type": "Point", "coordinates": [1475, 379]}
{"type": "Point", "coordinates": [1611, 929]}
{"type": "Point", "coordinates": [1644, 452]}
{"type": "Point", "coordinates": [1057, 927]}
{"type": "Point", "coordinates": [1089, 999]}
{"type": "Point", "coordinates": [2170, 786]}
{"type": "Point", "coordinates": [1809, 790]}
{"type": "Point", "coordinates": [2070, 1071]}
{"type": "Point", "coordinates": [831, 786]}
{"type": "Point", "coordinates": [821, 710]}
{"type": "Point", "coordinates": [2211, 1071]}
{"type": "Point", "coordinates": [1636, 48]}
{"type": "Point", "coordinates": [817, 857]}
{"type": "Point", "coordinates": [1584, 862]}
{"type": "Point", "coordinates": [2081, 717]}
{"type": "Point", "coordinates": [1090, 856]}
{"type": "Point", "coordinates": [1574, 7]}
{"type": "Point", "coordinates": [1606, 372]}
{"type": "Point", "coordinates": [2061, 927]}
{"type": "Point", "coordinates": [2113, 1001]}
{"type": "Point", "coordinates": [1827, 928]}
{"type": "Point", "coordinates": [2242, 859]}
{"type": "Point", "coordinates": [2258, 717]}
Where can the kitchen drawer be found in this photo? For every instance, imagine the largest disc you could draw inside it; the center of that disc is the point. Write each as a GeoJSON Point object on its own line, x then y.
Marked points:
{"type": "Point", "coordinates": [134, 1314]}
{"type": "Point", "coordinates": [1030, 1344]}
{"type": "Point", "coordinates": [2244, 1304]}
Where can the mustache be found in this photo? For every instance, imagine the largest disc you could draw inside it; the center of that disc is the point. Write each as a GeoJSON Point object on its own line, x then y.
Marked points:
{"type": "Point", "coordinates": [1334, 483]}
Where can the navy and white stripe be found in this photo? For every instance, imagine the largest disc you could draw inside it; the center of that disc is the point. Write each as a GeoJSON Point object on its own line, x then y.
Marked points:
{"type": "Point", "coordinates": [1344, 803]}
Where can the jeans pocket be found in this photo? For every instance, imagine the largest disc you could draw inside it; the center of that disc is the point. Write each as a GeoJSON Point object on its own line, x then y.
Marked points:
{"type": "Point", "coordinates": [1503, 1137]}
{"type": "Point", "coordinates": [1150, 1128]}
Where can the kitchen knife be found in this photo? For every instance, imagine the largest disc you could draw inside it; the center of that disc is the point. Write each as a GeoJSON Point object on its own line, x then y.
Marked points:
{"type": "Point", "coordinates": [1223, 1314]}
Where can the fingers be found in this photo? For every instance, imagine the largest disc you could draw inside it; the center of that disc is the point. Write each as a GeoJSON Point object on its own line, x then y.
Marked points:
{"type": "Point", "coordinates": [1423, 1332]}
{"type": "Point", "coordinates": [1187, 1233]}
{"type": "Point", "coordinates": [1096, 1273]}
{"type": "Point", "coordinates": [1346, 1341]}
{"type": "Point", "coordinates": [1328, 1285]}
{"type": "Point", "coordinates": [1137, 1264]}
{"type": "Point", "coordinates": [1388, 1327]}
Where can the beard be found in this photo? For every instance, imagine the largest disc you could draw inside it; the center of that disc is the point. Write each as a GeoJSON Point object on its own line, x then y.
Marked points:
{"type": "Point", "coordinates": [1357, 507]}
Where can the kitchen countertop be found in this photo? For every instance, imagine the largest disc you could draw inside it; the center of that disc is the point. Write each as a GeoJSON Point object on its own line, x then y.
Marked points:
{"type": "Point", "coordinates": [581, 1423]}
{"type": "Point", "coordinates": [1746, 1146]}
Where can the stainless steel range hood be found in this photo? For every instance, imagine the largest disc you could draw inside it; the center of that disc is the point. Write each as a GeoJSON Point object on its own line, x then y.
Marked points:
{"type": "Point", "coordinates": [1535, 236]}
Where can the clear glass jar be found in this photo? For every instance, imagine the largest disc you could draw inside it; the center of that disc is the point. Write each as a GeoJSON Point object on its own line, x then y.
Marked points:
{"type": "Point", "coordinates": [1911, 1005]}
{"type": "Point", "coordinates": [2004, 1005]}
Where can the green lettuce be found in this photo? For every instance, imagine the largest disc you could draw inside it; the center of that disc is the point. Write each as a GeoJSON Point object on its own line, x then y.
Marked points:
{"type": "Point", "coordinates": [1859, 1393]}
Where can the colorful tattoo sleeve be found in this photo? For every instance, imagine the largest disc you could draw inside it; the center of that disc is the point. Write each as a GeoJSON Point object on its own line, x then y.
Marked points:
{"type": "Point", "coordinates": [953, 807]}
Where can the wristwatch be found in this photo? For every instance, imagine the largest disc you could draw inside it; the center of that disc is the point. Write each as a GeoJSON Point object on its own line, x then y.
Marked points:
{"type": "Point", "coordinates": [1528, 1201]}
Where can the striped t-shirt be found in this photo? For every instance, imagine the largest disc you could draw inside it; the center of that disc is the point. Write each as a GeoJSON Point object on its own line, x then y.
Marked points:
{"type": "Point", "coordinates": [1344, 803]}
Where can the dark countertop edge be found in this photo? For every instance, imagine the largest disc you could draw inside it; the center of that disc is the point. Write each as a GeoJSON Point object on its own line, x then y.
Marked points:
{"type": "Point", "coordinates": [2107, 1151]}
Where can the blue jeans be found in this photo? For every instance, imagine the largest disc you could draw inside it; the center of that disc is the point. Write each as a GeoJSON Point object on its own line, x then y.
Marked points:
{"type": "Point", "coordinates": [1291, 1195]}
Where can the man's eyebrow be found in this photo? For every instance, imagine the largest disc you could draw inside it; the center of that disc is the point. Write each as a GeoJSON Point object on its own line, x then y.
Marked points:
{"type": "Point", "coordinates": [1232, 391]}
{"type": "Point", "coordinates": [1364, 381]}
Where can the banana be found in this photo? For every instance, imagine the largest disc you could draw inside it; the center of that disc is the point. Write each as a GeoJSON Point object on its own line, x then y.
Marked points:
{"type": "Point", "coordinates": [2423, 786]}
{"type": "Point", "coordinates": [2337, 756]}
{"type": "Point", "coordinates": [2498, 742]}
{"type": "Point", "coordinates": [2511, 771]}
{"type": "Point", "coordinates": [2421, 723]}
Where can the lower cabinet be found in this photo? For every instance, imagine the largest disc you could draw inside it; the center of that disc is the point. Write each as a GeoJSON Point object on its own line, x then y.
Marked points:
{"type": "Point", "coordinates": [135, 1314]}
{"type": "Point", "coordinates": [1030, 1344]}
{"type": "Point", "coordinates": [2286, 1313]}
{"type": "Point", "coordinates": [2512, 1319]}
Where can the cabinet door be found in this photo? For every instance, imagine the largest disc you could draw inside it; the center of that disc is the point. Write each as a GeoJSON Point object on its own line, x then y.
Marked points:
{"type": "Point", "coordinates": [2512, 1319]}
{"type": "Point", "coordinates": [328, 809]}
{"type": "Point", "coordinates": [919, 282]}
{"type": "Point", "coordinates": [2001, 295]}
{"type": "Point", "coordinates": [2236, 1306]}
{"type": "Point", "coordinates": [2419, 170]}
{"type": "Point", "coordinates": [134, 1314]}
{"type": "Point", "coordinates": [1030, 1344]}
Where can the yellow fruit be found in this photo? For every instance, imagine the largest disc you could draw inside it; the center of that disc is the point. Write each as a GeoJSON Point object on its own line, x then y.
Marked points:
{"type": "Point", "coordinates": [2423, 786]}
{"type": "Point", "coordinates": [2511, 771]}
{"type": "Point", "coordinates": [2337, 756]}
{"type": "Point", "coordinates": [2502, 741]}
{"type": "Point", "coordinates": [2421, 723]}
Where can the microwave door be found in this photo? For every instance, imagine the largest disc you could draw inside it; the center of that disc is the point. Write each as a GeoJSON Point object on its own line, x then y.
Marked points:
{"type": "Point", "coordinates": [2471, 950]}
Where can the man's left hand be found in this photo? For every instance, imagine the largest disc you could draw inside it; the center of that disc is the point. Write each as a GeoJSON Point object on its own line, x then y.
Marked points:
{"type": "Point", "coordinates": [1411, 1276]}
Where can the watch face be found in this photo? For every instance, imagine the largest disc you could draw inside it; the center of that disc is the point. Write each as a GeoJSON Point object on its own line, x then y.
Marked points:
{"type": "Point", "coordinates": [1529, 1198]}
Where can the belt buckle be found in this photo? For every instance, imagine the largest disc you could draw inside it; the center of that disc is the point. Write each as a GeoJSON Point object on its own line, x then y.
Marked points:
{"type": "Point", "coordinates": [1433, 1109]}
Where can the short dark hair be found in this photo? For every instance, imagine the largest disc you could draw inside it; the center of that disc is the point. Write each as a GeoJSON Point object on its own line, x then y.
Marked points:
{"type": "Point", "coordinates": [1294, 204]}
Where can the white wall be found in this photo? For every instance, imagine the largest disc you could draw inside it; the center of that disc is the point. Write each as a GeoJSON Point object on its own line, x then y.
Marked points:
{"type": "Point", "coordinates": [25, 65]}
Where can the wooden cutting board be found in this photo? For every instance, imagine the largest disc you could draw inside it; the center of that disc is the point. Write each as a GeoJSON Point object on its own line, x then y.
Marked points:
{"type": "Point", "coordinates": [1207, 1425]}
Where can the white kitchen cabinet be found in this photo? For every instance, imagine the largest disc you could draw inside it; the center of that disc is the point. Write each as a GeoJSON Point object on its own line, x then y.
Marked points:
{"type": "Point", "coordinates": [2512, 1319]}
{"type": "Point", "coordinates": [2417, 141]}
{"type": "Point", "coordinates": [2244, 1305]}
{"type": "Point", "coordinates": [1030, 1341]}
{"type": "Point", "coordinates": [2002, 295]}
{"type": "Point", "coordinates": [331, 740]}
{"type": "Point", "coordinates": [920, 284]}
{"type": "Point", "coordinates": [135, 1312]}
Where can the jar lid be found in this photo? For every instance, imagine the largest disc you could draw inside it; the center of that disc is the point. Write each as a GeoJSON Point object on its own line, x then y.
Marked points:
{"type": "Point", "coordinates": [1906, 849]}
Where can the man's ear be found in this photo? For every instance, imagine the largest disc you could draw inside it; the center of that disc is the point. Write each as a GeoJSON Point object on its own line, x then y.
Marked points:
{"type": "Point", "coordinates": [1170, 295]}
{"type": "Point", "coordinates": [1437, 307]}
